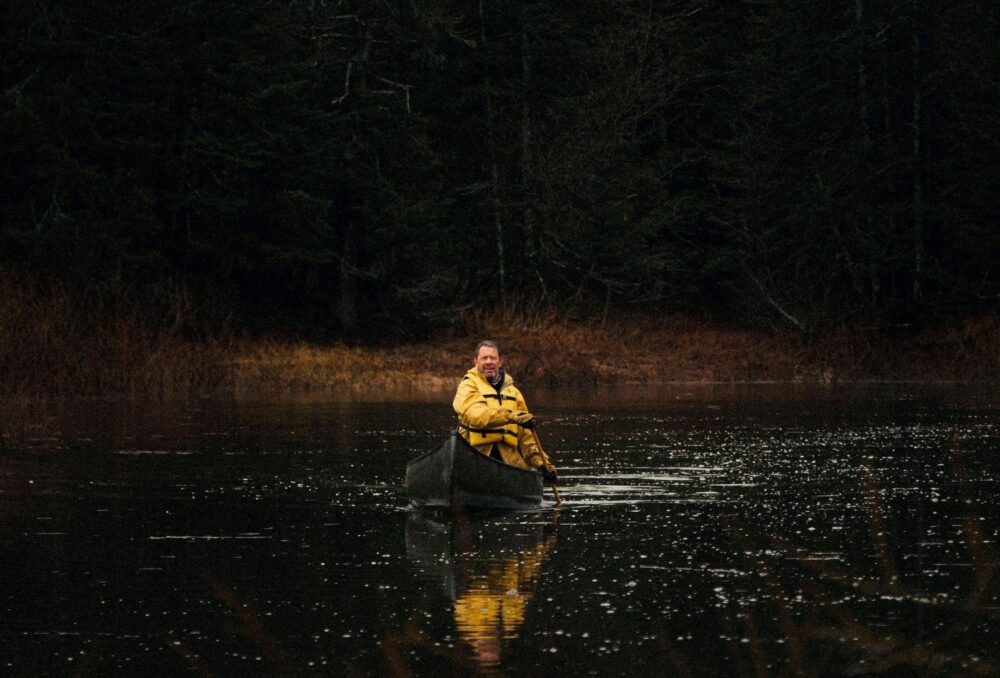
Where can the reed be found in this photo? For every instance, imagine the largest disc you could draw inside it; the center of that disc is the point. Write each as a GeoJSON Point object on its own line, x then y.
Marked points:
{"type": "Point", "coordinates": [269, 365]}
{"type": "Point", "coordinates": [54, 343]}
{"type": "Point", "coordinates": [552, 347]}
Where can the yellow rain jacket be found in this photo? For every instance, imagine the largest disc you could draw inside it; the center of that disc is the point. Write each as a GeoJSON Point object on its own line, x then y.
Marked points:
{"type": "Point", "coordinates": [484, 419]}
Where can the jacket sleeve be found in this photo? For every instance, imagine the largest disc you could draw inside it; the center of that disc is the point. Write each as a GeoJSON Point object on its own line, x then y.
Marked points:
{"type": "Point", "coordinates": [474, 411]}
{"type": "Point", "coordinates": [532, 453]}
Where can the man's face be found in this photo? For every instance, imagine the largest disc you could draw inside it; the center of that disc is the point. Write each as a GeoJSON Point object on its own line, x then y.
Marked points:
{"type": "Point", "coordinates": [488, 361]}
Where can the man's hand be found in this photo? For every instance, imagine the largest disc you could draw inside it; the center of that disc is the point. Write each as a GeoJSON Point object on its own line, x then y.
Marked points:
{"type": "Point", "coordinates": [548, 474]}
{"type": "Point", "coordinates": [525, 419]}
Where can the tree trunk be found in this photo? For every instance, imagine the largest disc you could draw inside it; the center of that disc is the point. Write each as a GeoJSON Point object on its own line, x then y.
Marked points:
{"type": "Point", "coordinates": [870, 224]}
{"type": "Point", "coordinates": [494, 170]}
{"type": "Point", "coordinates": [347, 296]}
{"type": "Point", "coordinates": [530, 236]}
{"type": "Point", "coordinates": [918, 198]}
{"type": "Point", "coordinates": [347, 288]}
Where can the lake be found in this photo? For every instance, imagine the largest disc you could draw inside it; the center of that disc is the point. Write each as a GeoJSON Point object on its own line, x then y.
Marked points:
{"type": "Point", "coordinates": [711, 530]}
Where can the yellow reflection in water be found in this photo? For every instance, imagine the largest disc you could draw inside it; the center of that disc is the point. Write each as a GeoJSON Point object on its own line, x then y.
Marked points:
{"type": "Point", "coordinates": [491, 609]}
{"type": "Point", "coordinates": [489, 568]}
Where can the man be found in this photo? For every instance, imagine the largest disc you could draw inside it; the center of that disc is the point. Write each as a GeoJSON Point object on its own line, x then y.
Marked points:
{"type": "Point", "coordinates": [493, 416]}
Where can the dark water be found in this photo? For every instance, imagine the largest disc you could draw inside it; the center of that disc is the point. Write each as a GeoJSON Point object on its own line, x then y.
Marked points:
{"type": "Point", "coordinates": [744, 531]}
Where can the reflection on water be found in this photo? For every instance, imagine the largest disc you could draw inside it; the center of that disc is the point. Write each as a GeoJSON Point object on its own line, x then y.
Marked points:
{"type": "Point", "coordinates": [727, 532]}
{"type": "Point", "coordinates": [487, 565]}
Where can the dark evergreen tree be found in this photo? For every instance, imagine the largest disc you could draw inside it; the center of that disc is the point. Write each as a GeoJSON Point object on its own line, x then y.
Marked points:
{"type": "Point", "coordinates": [370, 170]}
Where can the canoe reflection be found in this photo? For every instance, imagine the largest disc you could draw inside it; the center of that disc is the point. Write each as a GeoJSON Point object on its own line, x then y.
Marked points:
{"type": "Point", "coordinates": [488, 566]}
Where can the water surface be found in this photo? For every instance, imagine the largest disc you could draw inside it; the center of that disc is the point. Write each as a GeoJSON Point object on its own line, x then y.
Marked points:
{"type": "Point", "coordinates": [704, 531]}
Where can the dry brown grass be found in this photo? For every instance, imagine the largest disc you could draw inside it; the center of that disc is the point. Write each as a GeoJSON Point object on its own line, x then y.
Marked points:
{"type": "Point", "coordinates": [53, 344]}
{"type": "Point", "coordinates": [552, 348]}
{"type": "Point", "coordinates": [298, 367]}
{"type": "Point", "coordinates": [541, 346]}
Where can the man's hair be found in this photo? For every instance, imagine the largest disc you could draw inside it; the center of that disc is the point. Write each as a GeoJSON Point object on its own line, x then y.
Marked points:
{"type": "Point", "coordinates": [486, 342]}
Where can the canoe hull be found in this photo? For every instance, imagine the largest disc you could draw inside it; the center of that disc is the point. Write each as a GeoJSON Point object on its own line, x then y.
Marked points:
{"type": "Point", "coordinates": [456, 475]}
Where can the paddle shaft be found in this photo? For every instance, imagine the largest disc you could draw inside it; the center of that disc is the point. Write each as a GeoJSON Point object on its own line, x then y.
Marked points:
{"type": "Point", "coordinates": [555, 491]}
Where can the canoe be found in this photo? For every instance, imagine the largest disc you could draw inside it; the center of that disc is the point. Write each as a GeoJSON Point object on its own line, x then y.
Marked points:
{"type": "Point", "coordinates": [456, 475]}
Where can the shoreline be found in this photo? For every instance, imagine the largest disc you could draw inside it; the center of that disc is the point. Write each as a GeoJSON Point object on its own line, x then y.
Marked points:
{"type": "Point", "coordinates": [130, 358]}
{"type": "Point", "coordinates": [675, 351]}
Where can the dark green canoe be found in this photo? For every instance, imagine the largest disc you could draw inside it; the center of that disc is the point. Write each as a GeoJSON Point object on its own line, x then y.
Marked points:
{"type": "Point", "coordinates": [456, 475]}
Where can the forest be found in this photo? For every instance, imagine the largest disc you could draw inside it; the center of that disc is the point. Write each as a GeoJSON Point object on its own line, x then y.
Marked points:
{"type": "Point", "coordinates": [371, 170]}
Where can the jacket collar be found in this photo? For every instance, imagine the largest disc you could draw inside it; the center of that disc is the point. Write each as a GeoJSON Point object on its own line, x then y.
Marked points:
{"type": "Point", "coordinates": [474, 373]}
